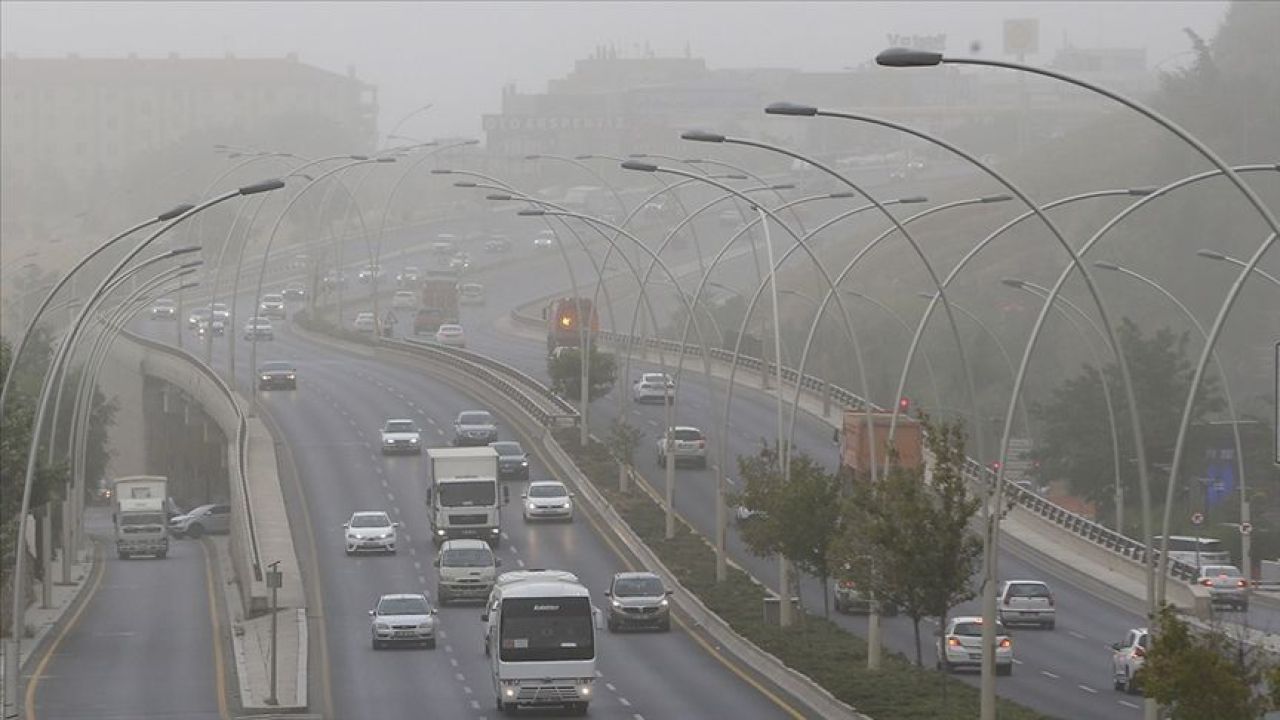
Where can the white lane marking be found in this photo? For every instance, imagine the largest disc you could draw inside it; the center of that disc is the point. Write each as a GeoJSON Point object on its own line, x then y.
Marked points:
{"type": "Point", "coordinates": [422, 579]}
{"type": "Point", "coordinates": [416, 565]}
{"type": "Point", "coordinates": [1048, 674]}
{"type": "Point", "coordinates": [514, 550]}
{"type": "Point", "coordinates": [431, 421]}
{"type": "Point", "coordinates": [505, 536]}
{"type": "Point", "coordinates": [1077, 635]}
{"type": "Point", "coordinates": [475, 705]}
{"type": "Point", "coordinates": [1088, 689]}
{"type": "Point", "coordinates": [466, 689]}
{"type": "Point", "coordinates": [625, 702]}
{"type": "Point", "coordinates": [1016, 661]}
{"type": "Point", "coordinates": [409, 539]}
{"type": "Point", "coordinates": [413, 551]}
{"type": "Point", "coordinates": [439, 431]}
{"type": "Point", "coordinates": [519, 562]}
{"type": "Point", "coordinates": [391, 496]}
{"type": "Point", "coordinates": [637, 716]}
{"type": "Point", "coordinates": [459, 677]}
{"type": "Point", "coordinates": [443, 635]}
{"type": "Point", "coordinates": [651, 422]}
{"type": "Point", "coordinates": [611, 687]}
{"type": "Point", "coordinates": [448, 648]}
{"type": "Point", "coordinates": [453, 662]}
{"type": "Point", "coordinates": [1128, 704]}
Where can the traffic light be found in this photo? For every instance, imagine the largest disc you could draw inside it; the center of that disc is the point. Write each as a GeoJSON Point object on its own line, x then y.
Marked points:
{"type": "Point", "coordinates": [904, 404]}
{"type": "Point", "coordinates": [566, 321]}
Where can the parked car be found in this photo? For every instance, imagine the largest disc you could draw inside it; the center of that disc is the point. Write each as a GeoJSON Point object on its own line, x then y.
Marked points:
{"type": "Point", "coordinates": [1227, 586]}
{"type": "Point", "coordinates": [474, 427]}
{"type": "Point", "coordinates": [365, 322]}
{"type": "Point", "coordinates": [547, 500]}
{"type": "Point", "coordinates": [294, 291]}
{"type": "Point", "coordinates": [401, 436]}
{"type": "Point", "coordinates": [451, 335]}
{"type": "Point", "coordinates": [638, 599]}
{"type": "Point", "coordinates": [277, 375]}
{"type": "Point", "coordinates": [960, 645]}
{"type": "Point", "coordinates": [404, 300]}
{"type": "Point", "coordinates": [653, 387]}
{"type": "Point", "coordinates": [164, 309]}
{"type": "Point", "coordinates": [686, 445]}
{"type": "Point", "coordinates": [513, 461]}
{"type": "Point", "coordinates": [272, 306]}
{"type": "Point", "coordinates": [849, 598]}
{"type": "Point", "coordinates": [403, 618]}
{"type": "Point", "coordinates": [259, 328]}
{"type": "Point", "coordinates": [204, 519]}
{"type": "Point", "coordinates": [370, 531]}
{"type": "Point", "coordinates": [1127, 658]}
{"type": "Point", "coordinates": [1026, 601]}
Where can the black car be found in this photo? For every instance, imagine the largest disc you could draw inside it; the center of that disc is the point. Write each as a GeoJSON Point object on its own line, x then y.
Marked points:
{"type": "Point", "coordinates": [277, 375]}
{"type": "Point", "coordinates": [474, 427]}
{"type": "Point", "coordinates": [513, 461]}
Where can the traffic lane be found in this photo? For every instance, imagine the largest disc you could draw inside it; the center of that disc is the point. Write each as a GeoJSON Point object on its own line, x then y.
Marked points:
{"type": "Point", "coordinates": [143, 647]}
{"type": "Point", "coordinates": [340, 473]}
{"type": "Point", "coordinates": [676, 670]}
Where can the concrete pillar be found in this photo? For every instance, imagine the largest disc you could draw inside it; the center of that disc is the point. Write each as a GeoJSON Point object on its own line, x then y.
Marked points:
{"type": "Point", "coordinates": [46, 551]}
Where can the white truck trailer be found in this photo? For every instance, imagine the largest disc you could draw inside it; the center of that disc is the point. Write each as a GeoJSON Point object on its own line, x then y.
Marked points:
{"type": "Point", "coordinates": [462, 494]}
{"type": "Point", "coordinates": [138, 513]}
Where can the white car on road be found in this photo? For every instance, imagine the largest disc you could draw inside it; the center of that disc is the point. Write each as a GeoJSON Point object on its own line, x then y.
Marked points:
{"type": "Point", "coordinates": [404, 300]}
{"type": "Point", "coordinates": [1127, 659]}
{"type": "Point", "coordinates": [1026, 601]}
{"type": "Point", "coordinates": [365, 322]}
{"type": "Point", "coordinates": [547, 500]}
{"type": "Point", "coordinates": [370, 531]}
{"type": "Point", "coordinates": [403, 618]}
{"type": "Point", "coordinates": [687, 445]}
{"type": "Point", "coordinates": [451, 335]}
{"type": "Point", "coordinates": [960, 645]}
{"type": "Point", "coordinates": [401, 436]}
{"type": "Point", "coordinates": [653, 387]}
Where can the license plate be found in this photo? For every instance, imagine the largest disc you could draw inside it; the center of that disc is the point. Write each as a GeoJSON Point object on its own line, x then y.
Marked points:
{"type": "Point", "coordinates": [975, 656]}
{"type": "Point", "coordinates": [405, 633]}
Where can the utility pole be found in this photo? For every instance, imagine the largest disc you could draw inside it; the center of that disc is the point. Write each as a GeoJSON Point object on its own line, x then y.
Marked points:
{"type": "Point", "coordinates": [274, 577]}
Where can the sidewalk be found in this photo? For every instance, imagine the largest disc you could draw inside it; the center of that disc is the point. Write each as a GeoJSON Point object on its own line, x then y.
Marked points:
{"type": "Point", "coordinates": [251, 648]}
{"type": "Point", "coordinates": [43, 624]}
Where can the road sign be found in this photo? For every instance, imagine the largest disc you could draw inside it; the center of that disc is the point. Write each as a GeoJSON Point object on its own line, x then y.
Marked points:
{"type": "Point", "coordinates": [1021, 36]}
{"type": "Point", "coordinates": [1246, 528]}
{"type": "Point", "coordinates": [1197, 518]}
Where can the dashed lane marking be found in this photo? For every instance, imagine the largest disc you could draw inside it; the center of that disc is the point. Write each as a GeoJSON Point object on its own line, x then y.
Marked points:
{"type": "Point", "coordinates": [1077, 635]}
{"type": "Point", "coordinates": [519, 562]}
{"type": "Point", "coordinates": [1128, 704]}
{"type": "Point", "coordinates": [416, 565]}
{"type": "Point", "coordinates": [422, 579]}
{"type": "Point", "coordinates": [466, 689]}
{"type": "Point", "coordinates": [625, 702]}
{"type": "Point", "coordinates": [1088, 689]}
{"type": "Point", "coordinates": [459, 677]}
{"type": "Point", "coordinates": [1048, 674]}
{"type": "Point", "coordinates": [453, 662]}
{"type": "Point", "coordinates": [611, 687]}
{"type": "Point", "coordinates": [475, 705]}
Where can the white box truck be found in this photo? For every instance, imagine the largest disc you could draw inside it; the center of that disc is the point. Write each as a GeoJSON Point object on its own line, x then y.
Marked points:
{"type": "Point", "coordinates": [462, 494]}
{"type": "Point", "coordinates": [541, 642]}
{"type": "Point", "coordinates": [138, 513]}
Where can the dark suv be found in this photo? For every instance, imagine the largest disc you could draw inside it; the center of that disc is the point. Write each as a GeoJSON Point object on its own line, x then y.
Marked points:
{"type": "Point", "coordinates": [474, 427]}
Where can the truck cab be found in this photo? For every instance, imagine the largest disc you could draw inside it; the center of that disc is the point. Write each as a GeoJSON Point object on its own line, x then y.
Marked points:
{"type": "Point", "coordinates": [139, 517]}
{"type": "Point", "coordinates": [462, 494]}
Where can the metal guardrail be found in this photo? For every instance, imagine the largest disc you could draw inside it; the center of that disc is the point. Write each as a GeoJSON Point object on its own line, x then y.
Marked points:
{"type": "Point", "coordinates": [550, 409]}
{"type": "Point", "coordinates": [242, 434]}
{"type": "Point", "coordinates": [974, 471]}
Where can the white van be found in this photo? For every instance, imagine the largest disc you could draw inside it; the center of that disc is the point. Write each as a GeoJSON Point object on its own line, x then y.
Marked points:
{"type": "Point", "coordinates": [466, 570]}
{"type": "Point", "coordinates": [507, 579]}
{"type": "Point", "coordinates": [1194, 551]}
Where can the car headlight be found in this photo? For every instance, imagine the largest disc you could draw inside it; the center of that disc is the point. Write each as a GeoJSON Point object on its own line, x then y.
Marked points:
{"type": "Point", "coordinates": [584, 691]}
{"type": "Point", "coordinates": [291, 376]}
{"type": "Point", "coordinates": [387, 441]}
{"type": "Point", "coordinates": [663, 602]}
{"type": "Point", "coordinates": [524, 463]}
{"type": "Point", "coordinates": [352, 536]}
{"type": "Point", "coordinates": [440, 533]}
{"type": "Point", "coordinates": [617, 605]}
{"type": "Point", "coordinates": [266, 377]}
{"type": "Point", "coordinates": [509, 691]}
{"type": "Point", "coordinates": [413, 440]}
{"type": "Point", "coordinates": [530, 505]}
{"type": "Point", "coordinates": [382, 626]}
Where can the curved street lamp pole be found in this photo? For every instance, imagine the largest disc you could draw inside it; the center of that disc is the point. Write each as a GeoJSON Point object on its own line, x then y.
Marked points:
{"type": "Point", "coordinates": [1245, 544]}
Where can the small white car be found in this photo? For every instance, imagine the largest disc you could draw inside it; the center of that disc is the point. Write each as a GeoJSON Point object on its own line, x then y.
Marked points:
{"type": "Point", "coordinates": [653, 387]}
{"type": "Point", "coordinates": [408, 276]}
{"type": "Point", "coordinates": [164, 309]}
{"type": "Point", "coordinates": [1226, 585]}
{"type": "Point", "coordinates": [259, 328]}
{"type": "Point", "coordinates": [272, 306]}
{"type": "Point", "coordinates": [545, 239]}
{"type": "Point", "coordinates": [466, 570]}
{"type": "Point", "coordinates": [198, 316]}
{"type": "Point", "coordinates": [960, 645]}
{"type": "Point", "coordinates": [1127, 658]}
{"type": "Point", "coordinates": [221, 312]}
{"type": "Point", "coordinates": [403, 618]}
{"type": "Point", "coordinates": [547, 500]}
{"type": "Point", "coordinates": [451, 335]}
{"type": "Point", "coordinates": [471, 294]}
{"type": "Point", "coordinates": [401, 436]}
{"type": "Point", "coordinates": [365, 322]}
{"type": "Point", "coordinates": [1026, 601]}
{"type": "Point", "coordinates": [404, 300]}
{"type": "Point", "coordinates": [294, 291]}
{"type": "Point", "coordinates": [370, 531]}
{"type": "Point", "coordinates": [687, 445]}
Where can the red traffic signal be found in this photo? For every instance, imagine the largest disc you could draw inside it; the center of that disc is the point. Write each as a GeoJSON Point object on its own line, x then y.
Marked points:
{"type": "Point", "coordinates": [904, 404]}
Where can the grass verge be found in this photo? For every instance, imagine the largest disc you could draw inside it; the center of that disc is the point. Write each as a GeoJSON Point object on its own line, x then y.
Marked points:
{"type": "Point", "coordinates": [832, 656]}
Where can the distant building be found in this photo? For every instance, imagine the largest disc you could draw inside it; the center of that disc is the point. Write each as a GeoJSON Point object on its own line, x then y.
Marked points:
{"type": "Point", "coordinates": [80, 118]}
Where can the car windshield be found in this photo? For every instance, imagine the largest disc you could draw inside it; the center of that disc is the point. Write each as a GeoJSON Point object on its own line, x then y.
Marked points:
{"type": "Point", "coordinates": [507, 449]}
{"type": "Point", "coordinates": [143, 518]}
{"type": "Point", "coordinates": [272, 298]}
{"type": "Point", "coordinates": [464, 494]}
{"type": "Point", "coordinates": [638, 587]}
{"type": "Point", "coordinates": [467, 557]}
{"type": "Point", "coordinates": [277, 367]}
{"type": "Point", "coordinates": [1028, 590]}
{"type": "Point", "coordinates": [163, 302]}
{"type": "Point", "coordinates": [652, 378]}
{"type": "Point", "coordinates": [547, 491]}
{"type": "Point", "coordinates": [688, 434]}
{"type": "Point", "coordinates": [370, 521]}
{"type": "Point", "coordinates": [973, 629]}
{"type": "Point", "coordinates": [475, 418]}
{"type": "Point", "coordinates": [404, 606]}
{"type": "Point", "coordinates": [451, 329]}
{"type": "Point", "coordinates": [1220, 571]}
{"type": "Point", "coordinates": [400, 426]}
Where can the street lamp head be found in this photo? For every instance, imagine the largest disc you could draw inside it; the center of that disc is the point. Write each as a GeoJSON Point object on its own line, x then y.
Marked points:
{"type": "Point", "coordinates": [261, 187]}
{"type": "Point", "coordinates": [908, 57]}
{"type": "Point", "coordinates": [733, 176]}
{"type": "Point", "coordinates": [926, 295]}
{"type": "Point", "coordinates": [357, 157]}
{"type": "Point", "coordinates": [842, 195]}
{"type": "Point", "coordinates": [913, 200]}
{"type": "Point", "coordinates": [584, 157]}
{"type": "Point", "coordinates": [1013, 282]}
{"type": "Point", "coordinates": [701, 136]}
{"type": "Point", "coordinates": [464, 184]}
{"type": "Point", "coordinates": [532, 157]}
{"type": "Point", "coordinates": [1105, 265]}
{"type": "Point", "coordinates": [639, 166]}
{"type": "Point", "coordinates": [386, 159]}
{"type": "Point", "coordinates": [191, 265]}
{"type": "Point", "coordinates": [996, 198]}
{"type": "Point", "coordinates": [441, 171]}
{"type": "Point", "coordinates": [638, 155]}
{"type": "Point", "coordinates": [174, 212]}
{"type": "Point", "coordinates": [792, 109]}
{"type": "Point", "coordinates": [783, 186]}
{"type": "Point", "coordinates": [1141, 191]}
{"type": "Point", "coordinates": [1211, 254]}
{"type": "Point", "coordinates": [185, 250]}
{"type": "Point", "coordinates": [498, 196]}
{"type": "Point", "coordinates": [531, 212]}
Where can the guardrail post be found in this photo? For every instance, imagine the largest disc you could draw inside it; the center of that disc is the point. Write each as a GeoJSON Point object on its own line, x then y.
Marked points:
{"type": "Point", "coordinates": [826, 398]}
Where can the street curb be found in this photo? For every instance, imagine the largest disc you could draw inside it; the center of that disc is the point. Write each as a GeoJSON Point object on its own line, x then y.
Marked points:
{"type": "Point", "coordinates": [40, 641]}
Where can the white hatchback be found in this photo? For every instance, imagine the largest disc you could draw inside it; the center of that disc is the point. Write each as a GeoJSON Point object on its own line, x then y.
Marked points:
{"type": "Point", "coordinates": [1127, 658]}
{"type": "Point", "coordinates": [365, 322]}
{"type": "Point", "coordinates": [653, 387]}
{"type": "Point", "coordinates": [451, 335]}
{"type": "Point", "coordinates": [1026, 601]}
{"type": "Point", "coordinates": [547, 500]}
{"type": "Point", "coordinates": [960, 645]}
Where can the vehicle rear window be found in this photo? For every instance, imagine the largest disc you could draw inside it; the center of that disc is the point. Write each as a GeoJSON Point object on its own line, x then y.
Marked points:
{"type": "Point", "coordinates": [974, 629]}
{"type": "Point", "coordinates": [1029, 590]}
{"type": "Point", "coordinates": [507, 448]}
{"type": "Point", "coordinates": [475, 418]}
{"type": "Point", "coordinates": [688, 434]}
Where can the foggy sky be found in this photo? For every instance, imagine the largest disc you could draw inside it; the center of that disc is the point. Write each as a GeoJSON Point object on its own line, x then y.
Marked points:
{"type": "Point", "coordinates": [459, 55]}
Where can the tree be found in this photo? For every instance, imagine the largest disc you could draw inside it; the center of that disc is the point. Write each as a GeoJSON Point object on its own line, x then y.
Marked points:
{"type": "Point", "coordinates": [1072, 433]}
{"type": "Point", "coordinates": [1203, 676]}
{"type": "Point", "coordinates": [622, 440]}
{"type": "Point", "coordinates": [565, 369]}
{"type": "Point", "coordinates": [907, 539]}
{"type": "Point", "coordinates": [798, 519]}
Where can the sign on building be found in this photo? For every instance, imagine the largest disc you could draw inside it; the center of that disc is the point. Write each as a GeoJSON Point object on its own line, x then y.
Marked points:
{"type": "Point", "coordinates": [1021, 36]}
{"type": "Point", "coordinates": [1018, 464]}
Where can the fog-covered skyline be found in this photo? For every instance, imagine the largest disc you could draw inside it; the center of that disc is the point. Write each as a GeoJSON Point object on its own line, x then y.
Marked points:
{"type": "Point", "coordinates": [458, 56]}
